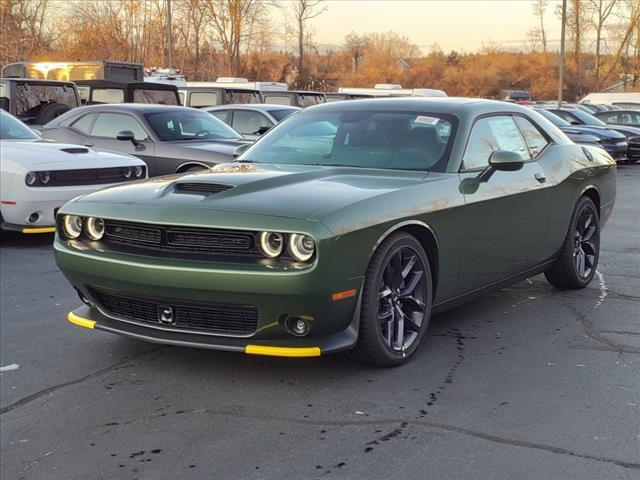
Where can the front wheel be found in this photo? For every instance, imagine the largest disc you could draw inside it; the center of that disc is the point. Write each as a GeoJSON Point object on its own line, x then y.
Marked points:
{"type": "Point", "coordinates": [576, 265]}
{"type": "Point", "coordinates": [396, 302]}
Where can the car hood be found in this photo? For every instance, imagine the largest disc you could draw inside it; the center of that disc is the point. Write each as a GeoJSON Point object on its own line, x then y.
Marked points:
{"type": "Point", "coordinates": [292, 191]}
{"type": "Point", "coordinates": [598, 131]}
{"type": "Point", "coordinates": [627, 130]}
{"type": "Point", "coordinates": [218, 146]}
{"type": "Point", "coordinates": [31, 153]}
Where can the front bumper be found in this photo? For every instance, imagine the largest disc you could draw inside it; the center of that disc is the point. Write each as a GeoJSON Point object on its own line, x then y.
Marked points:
{"type": "Point", "coordinates": [618, 151]}
{"type": "Point", "coordinates": [275, 293]}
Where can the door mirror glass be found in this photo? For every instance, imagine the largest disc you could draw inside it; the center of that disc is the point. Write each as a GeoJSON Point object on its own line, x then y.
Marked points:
{"type": "Point", "coordinates": [505, 161]}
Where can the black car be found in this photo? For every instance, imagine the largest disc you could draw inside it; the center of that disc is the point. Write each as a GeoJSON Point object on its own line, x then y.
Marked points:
{"type": "Point", "coordinates": [615, 142]}
{"type": "Point", "coordinates": [627, 118]}
{"type": "Point", "coordinates": [169, 139]}
{"type": "Point", "coordinates": [576, 134]}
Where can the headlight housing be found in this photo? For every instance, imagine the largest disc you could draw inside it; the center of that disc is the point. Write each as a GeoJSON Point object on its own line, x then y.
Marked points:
{"type": "Point", "coordinates": [271, 244]}
{"type": "Point", "coordinates": [138, 171]}
{"type": "Point", "coordinates": [72, 226]}
{"type": "Point", "coordinates": [44, 177]}
{"type": "Point", "coordinates": [31, 178]}
{"type": "Point", "coordinates": [128, 171]}
{"type": "Point", "coordinates": [301, 247]}
{"type": "Point", "coordinates": [94, 227]}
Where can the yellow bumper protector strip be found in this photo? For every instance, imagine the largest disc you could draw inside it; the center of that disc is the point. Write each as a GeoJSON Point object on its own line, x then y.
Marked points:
{"type": "Point", "coordinates": [39, 230]}
{"type": "Point", "coordinates": [83, 322]}
{"type": "Point", "coordinates": [282, 351]}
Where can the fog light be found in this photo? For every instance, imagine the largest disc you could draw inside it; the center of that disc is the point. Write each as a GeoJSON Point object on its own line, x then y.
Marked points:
{"type": "Point", "coordinates": [298, 326]}
{"type": "Point", "coordinates": [34, 217]}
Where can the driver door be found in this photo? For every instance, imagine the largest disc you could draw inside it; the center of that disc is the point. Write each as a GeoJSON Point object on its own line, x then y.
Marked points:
{"type": "Point", "coordinates": [104, 132]}
{"type": "Point", "coordinates": [507, 216]}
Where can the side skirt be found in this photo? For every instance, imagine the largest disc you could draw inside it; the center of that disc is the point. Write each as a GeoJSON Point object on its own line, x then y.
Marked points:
{"type": "Point", "coordinates": [482, 291]}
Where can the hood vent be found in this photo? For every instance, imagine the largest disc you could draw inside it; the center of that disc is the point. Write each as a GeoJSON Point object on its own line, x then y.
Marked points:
{"type": "Point", "coordinates": [202, 188]}
{"type": "Point", "coordinates": [75, 150]}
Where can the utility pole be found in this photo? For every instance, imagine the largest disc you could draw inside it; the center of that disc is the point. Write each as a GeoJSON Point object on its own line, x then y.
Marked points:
{"type": "Point", "coordinates": [562, 37]}
{"type": "Point", "coordinates": [170, 39]}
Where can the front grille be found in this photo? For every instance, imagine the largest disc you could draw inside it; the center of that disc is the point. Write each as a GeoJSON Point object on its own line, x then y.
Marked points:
{"type": "Point", "coordinates": [212, 318]}
{"type": "Point", "coordinates": [181, 241]}
{"type": "Point", "coordinates": [202, 188]}
{"type": "Point", "coordinates": [87, 176]}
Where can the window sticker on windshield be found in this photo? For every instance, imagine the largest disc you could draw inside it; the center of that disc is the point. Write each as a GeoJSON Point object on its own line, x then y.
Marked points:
{"type": "Point", "coordinates": [427, 120]}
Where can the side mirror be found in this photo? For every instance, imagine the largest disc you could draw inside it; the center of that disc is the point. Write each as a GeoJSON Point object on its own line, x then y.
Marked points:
{"type": "Point", "coordinates": [575, 122]}
{"type": "Point", "coordinates": [503, 161]}
{"type": "Point", "coordinates": [126, 136]}
{"type": "Point", "coordinates": [263, 130]}
{"type": "Point", "coordinates": [240, 149]}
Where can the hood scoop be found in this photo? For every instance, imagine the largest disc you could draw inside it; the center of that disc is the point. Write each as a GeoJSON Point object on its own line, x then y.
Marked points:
{"type": "Point", "coordinates": [75, 150]}
{"type": "Point", "coordinates": [202, 188]}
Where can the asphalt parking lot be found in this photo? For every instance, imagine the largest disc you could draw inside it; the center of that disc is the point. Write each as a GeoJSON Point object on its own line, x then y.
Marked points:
{"type": "Point", "coordinates": [528, 383]}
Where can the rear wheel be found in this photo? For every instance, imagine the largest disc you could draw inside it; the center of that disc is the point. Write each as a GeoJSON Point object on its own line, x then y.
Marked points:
{"type": "Point", "coordinates": [576, 265]}
{"type": "Point", "coordinates": [396, 302]}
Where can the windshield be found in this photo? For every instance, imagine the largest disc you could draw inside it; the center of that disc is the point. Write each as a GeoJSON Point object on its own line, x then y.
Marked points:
{"type": "Point", "coordinates": [280, 115]}
{"type": "Point", "coordinates": [587, 118]}
{"type": "Point", "coordinates": [359, 138]}
{"type": "Point", "coordinates": [556, 120]}
{"type": "Point", "coordinates": [13, 129]}
{"type": "Point", "coordinates": [189, 124]}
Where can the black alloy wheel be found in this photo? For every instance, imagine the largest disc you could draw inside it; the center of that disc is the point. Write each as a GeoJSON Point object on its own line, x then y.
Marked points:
{"type": "Point", "coordinates": [585, 245]}
{"type": "Point", "coordinates": [395, 303]}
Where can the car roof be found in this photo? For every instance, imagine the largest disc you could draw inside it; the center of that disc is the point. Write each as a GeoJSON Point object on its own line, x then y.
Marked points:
{"type": "Point", "coordinates": [133, 107]}
{"type": "Point", "coordinates": [38, 81]}
{"type": "Point", "coordinates": [263, 107]}
{"type": "Point", "coordinates": [451, 105]}
{"type": "Point", "coordinates": [126, 84]}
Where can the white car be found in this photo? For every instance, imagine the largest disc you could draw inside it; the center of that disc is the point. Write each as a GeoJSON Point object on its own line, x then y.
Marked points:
{"type": "Point", "coordinates": [37, 177]}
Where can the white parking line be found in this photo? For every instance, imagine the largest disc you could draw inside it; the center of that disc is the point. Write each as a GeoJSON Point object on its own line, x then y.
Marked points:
{"type": "Point", "coordinates": [8, 368]}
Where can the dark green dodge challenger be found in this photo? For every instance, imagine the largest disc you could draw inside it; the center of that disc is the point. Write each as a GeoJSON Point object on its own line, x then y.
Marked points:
{"type": "Point", "coordinates": [343, 228]}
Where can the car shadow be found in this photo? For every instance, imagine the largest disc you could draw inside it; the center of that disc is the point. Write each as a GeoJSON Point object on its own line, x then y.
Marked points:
{"type": "Point", "coordinates": [21, 240]}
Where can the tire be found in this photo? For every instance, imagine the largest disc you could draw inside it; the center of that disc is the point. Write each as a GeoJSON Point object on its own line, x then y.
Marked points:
{"type": "Point", "coordinates": [379, 341]}
{"type": "Point", "coordinates": [578, 260]}
{"type": "Point", "coordinates": [50, 111]}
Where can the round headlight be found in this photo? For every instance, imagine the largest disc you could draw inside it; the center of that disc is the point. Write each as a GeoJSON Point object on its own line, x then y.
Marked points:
{"type": "Point", "coordinates": [94, 228]}
{"type": "Point", "coordinates": [72, 226]}
{"type": "Point", "coordinates": [127, 172]}
{"type": "Point", "coordinates": [44, 177]}
{"type": "Point", "coordinates": [138, 171]}
{"type": "Point", "coordinates": [271, 244]}
{"type": "Point", "coordinates": [301, 247]}
{"type": "Point", "coordinates": [31, 178]}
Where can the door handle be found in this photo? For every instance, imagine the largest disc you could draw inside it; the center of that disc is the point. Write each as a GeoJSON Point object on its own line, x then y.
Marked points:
{"type": "Point", "coordinates": [88, 144]}
{"type": "Point", "coordinates": [541, 177]}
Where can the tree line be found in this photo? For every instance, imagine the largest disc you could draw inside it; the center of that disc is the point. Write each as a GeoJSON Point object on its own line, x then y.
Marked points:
{"type": "Point", "coordinates": [214, 38]}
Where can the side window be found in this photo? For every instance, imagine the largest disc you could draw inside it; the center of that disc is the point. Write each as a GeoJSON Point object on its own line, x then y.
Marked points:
{"type": "Point", "coordinates": [567, 117]}
{"type": "Point", "coordinates": [489, 135]}
{"type": "Point", "coordinates": [203, 99]}
{"type": "Point", "coordinates": [278, 100]}
{"type": "Point", "coordinates": [220, 115]}
{"type": "Point", "coordinates": [246, 122]}
{"type": "Point", "coordinates": [109, 124]}
{"type": "Point", "coordinates": [532, 136]}
{"type": "Point", "coordinates": [107, 95]}
{"type": "Point", "coordinates": [84, 123]}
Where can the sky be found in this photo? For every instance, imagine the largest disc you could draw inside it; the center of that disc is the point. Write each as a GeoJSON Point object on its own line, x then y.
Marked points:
{"type": "Point", "coordinates": [463, 25]}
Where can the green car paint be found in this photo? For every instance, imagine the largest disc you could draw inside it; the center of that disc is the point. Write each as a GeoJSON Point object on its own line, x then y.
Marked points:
{"type": "Point", "coordinates": [477, 235]}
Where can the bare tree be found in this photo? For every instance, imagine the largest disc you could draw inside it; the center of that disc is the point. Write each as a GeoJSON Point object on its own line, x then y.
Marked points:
{"type": "Point", "coordinates": [232, 20]}
{"type": "Point", "coordinates": [355, 45]}
{"type": "Point", "coordinates": [539, 33]}
{"type": "Point", "coordinates": [600, 12]}
{"type": "Point", "coordinates": [303, 11]}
